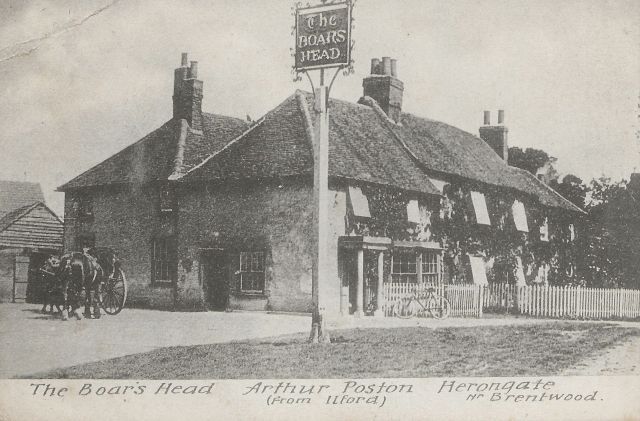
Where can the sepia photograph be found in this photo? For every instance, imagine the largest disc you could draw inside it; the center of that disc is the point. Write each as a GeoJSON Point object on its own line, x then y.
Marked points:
{"type": "Point", "coordinates": [350, 205]}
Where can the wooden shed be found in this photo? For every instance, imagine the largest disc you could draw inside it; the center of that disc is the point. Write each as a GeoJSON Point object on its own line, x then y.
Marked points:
{"type": "Point", "coordinates": [27, 236]}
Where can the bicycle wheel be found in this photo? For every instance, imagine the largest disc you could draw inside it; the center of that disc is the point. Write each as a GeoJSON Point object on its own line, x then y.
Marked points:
{"type": "Point", "coordinates": [405, 308]}
{"type": "Point", "coordinates": [438, 307]}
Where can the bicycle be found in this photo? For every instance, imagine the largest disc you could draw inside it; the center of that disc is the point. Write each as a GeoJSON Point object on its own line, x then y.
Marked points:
{"type": "Point", "coordinates": [419, 304]}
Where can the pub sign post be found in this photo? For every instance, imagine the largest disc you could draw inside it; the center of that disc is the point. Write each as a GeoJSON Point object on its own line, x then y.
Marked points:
{"type": "Point", "coordinates": [323, 40]}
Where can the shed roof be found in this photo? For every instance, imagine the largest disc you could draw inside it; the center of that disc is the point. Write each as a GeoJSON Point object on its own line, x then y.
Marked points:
{"type": "Point", "coordinates": [16, 194]}
{"type": "Point", "coordinates": [34, 226]}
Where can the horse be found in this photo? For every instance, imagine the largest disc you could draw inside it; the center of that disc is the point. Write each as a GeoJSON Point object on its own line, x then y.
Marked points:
{"type": "Point", "coordinates": [79, 271]}
{"type": "Point", "coordinates": [52, 285]}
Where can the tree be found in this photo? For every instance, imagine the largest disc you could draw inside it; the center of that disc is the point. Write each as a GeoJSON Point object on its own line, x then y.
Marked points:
{"type": "Point", "coordinates": [571, 188]}
{"type": "Point", "coordinates": [610, 244]}
{"type": "Point", "coordinates": [531, 159]}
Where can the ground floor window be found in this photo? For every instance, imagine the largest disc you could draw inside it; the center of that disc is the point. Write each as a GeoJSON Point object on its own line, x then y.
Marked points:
{"type": "Point", "coordinates": [252, 271]}
{"type": "Point", "coordinates": [413, 266]}
{"type": "Point", "coordinates": [431, 267]}
{"type": "Point", "coordinates": [163, 260]}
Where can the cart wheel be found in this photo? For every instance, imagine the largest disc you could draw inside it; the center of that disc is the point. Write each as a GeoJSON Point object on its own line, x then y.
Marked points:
{"type": "Point", "coordinates": [112, 293]}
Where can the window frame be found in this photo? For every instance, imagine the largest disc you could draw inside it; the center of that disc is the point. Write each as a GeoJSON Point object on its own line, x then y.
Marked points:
{"type": "Point", "coordinates": [404, 276]}
{"type": "Point", "coordinates": [257, 264]}
{"type": "Point", "coordinates": [169, 244]}
{"type": "Point", "coordinates": [166, 198]}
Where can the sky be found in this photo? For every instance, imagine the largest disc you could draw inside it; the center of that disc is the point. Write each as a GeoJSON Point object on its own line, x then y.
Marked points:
{"type": "Point", "coordinates": [82, 79]}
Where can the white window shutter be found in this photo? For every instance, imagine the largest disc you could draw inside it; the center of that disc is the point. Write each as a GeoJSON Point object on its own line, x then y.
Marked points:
{"type": "Point", "coordinates": [359, 202]}
{"type": "Point", "coordinates": [519, 216]}
{"type": "Point", "coordinates": [572, 232]}
{"type": "Point", "coordinates": [478, 270]}
{"type": "Point", "coordinates": [480, 208]}
{"type": "Point", "coordinates": [544, 230]}
{"type": "Point", "coordinates": [413, 211]}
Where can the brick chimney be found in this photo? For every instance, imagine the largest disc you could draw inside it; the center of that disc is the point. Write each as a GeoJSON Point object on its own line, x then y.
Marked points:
{"type": "Point", "coordinates": [496, 136]}
{"type": "Point", "coordinates": [187, 94]}
{"type": "Point", "coordinates": [384, 86]}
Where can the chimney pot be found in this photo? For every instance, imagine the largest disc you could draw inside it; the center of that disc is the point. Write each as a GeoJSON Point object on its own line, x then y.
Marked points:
{"type": "Point", "coordinates": [394, 67]}
{"type": "Point", "coordinates": [184, 60]}
{"type": "Point", "coordinates": [487, 118]}
{"type": "Point", "coordinates": [386, 66]}
{"type": "Point", "coordinates": [193, 70]}
{"type": "Point", "coordinates": [375, 64]}
{"type": "Point", "coordinates": [500, 117]}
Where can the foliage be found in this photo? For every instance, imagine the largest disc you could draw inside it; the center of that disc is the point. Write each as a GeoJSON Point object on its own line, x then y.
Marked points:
{"type": "Point", "coordinates": [610, 251]}
{"type": "Point", "coordinates": [571, 188]}
{"type": "Point", "coordinates": [529, 159]}
{"type": "Point", "coordinates": [451, 221]}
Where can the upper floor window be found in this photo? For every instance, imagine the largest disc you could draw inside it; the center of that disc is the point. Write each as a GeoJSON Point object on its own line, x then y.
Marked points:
{"type": "Point", "coordinates": [167, 198]}
{"type": "Point", "coordinates": [164, 262]}
{"type": "Point", "coordinates": [252, 271]}
{"type": "Point", "coordinates": [544, 230]}
{"type": "Point", "coordinates": [83, 206]}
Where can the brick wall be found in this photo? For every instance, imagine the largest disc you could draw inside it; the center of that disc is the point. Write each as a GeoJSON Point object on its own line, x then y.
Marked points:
{"type": "Point", "coordinates": [126, 220]}
{"type": "Point", "coordinates": [272, 217]}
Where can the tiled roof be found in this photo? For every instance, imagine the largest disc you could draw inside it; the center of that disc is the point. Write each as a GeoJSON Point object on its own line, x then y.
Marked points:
{"type": "Point", "coordinates": [16, 194]}
{"type": "Point", "coordinates": [154, 156]}
{"type": "Point", "coordinates": [360, 148]}
{"type": "Point", "coordinates": [33, 225]}
{"type": "Point", "coordinates": [446, 149]}
{"type": "Point", "coordinates": [364, 145]}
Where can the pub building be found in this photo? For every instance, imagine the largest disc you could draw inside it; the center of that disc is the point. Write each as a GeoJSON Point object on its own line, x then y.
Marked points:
{"type": "Point", "coordinates": [214, 212]}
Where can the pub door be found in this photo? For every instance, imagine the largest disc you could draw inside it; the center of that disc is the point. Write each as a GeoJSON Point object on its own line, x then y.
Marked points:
{"type": "Point", "coordinates": [215, 282]}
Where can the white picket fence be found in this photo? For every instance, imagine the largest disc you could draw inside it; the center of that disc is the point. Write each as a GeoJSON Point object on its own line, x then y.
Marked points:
{"type": "Point", "coordinates": [564, 301]}
{"type": "Point", "coordinates": [464, 300]}
{"type": "Point", "coordinates": [532, 300]}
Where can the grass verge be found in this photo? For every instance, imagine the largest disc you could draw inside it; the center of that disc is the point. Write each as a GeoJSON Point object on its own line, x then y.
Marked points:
{"type": "Point", "coordinates": [537, 349]}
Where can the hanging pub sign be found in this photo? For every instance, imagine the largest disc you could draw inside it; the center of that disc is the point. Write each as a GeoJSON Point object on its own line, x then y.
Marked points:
{"type": "Point", "coordinates": [323, 36]}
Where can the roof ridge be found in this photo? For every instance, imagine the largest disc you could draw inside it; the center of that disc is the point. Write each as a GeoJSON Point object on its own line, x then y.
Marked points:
{"type": "Point", "coordinates": [552, 190]}
{"type": "Point", "coordinates": [224, 148]}
{"type": "Point", "coordinates": [239, 137]}
{"type": "Point", "coordinates": [306, 118]}
{"type": "Point", "coordinates": [388, 123]}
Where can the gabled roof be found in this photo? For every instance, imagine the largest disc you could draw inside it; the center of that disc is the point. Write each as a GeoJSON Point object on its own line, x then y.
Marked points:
{"type": "Point", "coordinates": [280, 145]}
{"type": "Point", "coordinates": [446, 149]}
{"type": "Point", "coordinates": [168, 149]}
{"type": "Point", "coordinates": [34, 225]}
{"type": "Point", "coordinates": [16, 194]}
{"type": "Point", "coordinates": [364, 146]}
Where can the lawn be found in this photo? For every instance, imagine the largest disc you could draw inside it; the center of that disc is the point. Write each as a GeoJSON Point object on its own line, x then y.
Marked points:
{"type": "Point", "coordinates": [536, 349]}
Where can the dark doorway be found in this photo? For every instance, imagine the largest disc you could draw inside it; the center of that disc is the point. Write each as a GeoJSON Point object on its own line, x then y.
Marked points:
{"type": "Point", "coordinates": [35, 287]}
{"type": "Point", "coordinates": [214, 277]}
